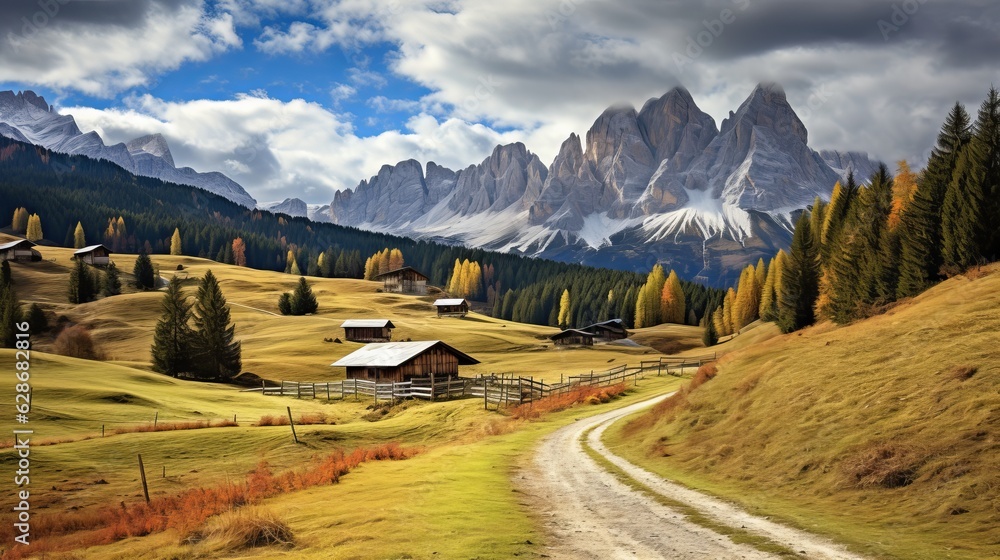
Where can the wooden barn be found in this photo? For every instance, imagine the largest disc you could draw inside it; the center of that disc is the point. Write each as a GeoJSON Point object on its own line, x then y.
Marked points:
{"type": "Point", "coordinates": [573, 337]}
{"type": "Point", "coordinates": [19, 250]}
{"type": "Point", "coordinates": [608, 330]}
{"type": "Point", "coordinates": [97, 255]}
{"type": "Point", "coordinates": [368, 330]}
{"type": "Point", "coordinates": [404, 280]}
{"type": "Point", "coordinates": [452, 307]}
{"type": "Point", "coordinates": [402, 361]}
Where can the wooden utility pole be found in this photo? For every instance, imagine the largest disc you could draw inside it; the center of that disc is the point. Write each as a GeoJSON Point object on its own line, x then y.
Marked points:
{"type": "Point", "coordinates": [292, 424]}
{"type": "Point", "coordinates": [142, 475]}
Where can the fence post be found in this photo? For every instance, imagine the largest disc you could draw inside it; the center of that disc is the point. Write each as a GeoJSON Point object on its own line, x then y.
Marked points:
{"type": "Point", "coordinates": [292, 424]}
{"type": "Point", "coordinates": [142, 475]}
{"type": "Point", "coordinates": [433, 388]}
{"type": "Point", "coordinates": [327, 391]}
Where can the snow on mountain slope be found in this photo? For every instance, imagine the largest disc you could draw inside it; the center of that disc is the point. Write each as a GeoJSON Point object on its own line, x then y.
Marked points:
{"type": "Point", "coordinates": [26, 116]}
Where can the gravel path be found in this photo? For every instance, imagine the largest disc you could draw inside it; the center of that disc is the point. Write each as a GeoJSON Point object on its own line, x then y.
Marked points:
{"type": "Point", "coordinates": [588, 513]}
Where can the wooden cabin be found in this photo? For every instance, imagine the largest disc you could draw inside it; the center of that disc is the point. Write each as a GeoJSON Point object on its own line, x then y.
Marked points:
{"type": "Point", "coordinates": [368, 330]}
{"type": "Point", "coordinates": [401, 361]}
{"type": "Point", "coordinates": [19, 251]}
{"type": "Point", "coordinates": [573, 337]}
{"type": "Point", "coordinates": [404, 280]}
{"type": "Point", "coordinates": [452, 307]}
{"type": "Point", "coordinates": [96, 255]}
{"type": "Point", "coordinates": [608, 330]}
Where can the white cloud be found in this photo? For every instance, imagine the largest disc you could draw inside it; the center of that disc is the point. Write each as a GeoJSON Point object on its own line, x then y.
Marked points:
{"type": "Point", "coordinates": [362, 78]}
{"type": "Point", "coordinates": [278, 149]}
{"type": "Point", "coordinates": [300, 35]}
{"type": "Point", "coordinates": [383, 104]}
{"type": "Point", "coordinates": [101, 59]}
{"type": "Point", "coordinates": [342, 92]}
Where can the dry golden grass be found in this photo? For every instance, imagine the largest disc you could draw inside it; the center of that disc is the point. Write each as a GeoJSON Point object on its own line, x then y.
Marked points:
{"type": "Point", "coordinates": [883, 433]}
{"type": "Point", "coordinates": [241, 529]}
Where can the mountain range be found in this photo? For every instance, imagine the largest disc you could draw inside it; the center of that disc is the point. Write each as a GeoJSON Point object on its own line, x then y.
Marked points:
{"type": "Point", "coordinates": [661, 184]}
{"type": "Point", "coordinates": [27, 117]}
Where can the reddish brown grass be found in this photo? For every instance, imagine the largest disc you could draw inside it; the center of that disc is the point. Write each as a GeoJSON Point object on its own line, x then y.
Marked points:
{"type": "Point", "coordinates": [562, 401]}
{"type": "Point", "coordinates": [171, 426]}
{"type": "Point", "coordinates": [189, 509]}
{"type": "Point", "coordinates": [883, 464]}
{"type": "Point", "coordinates": [269, 420]}
{"type": "Point", "coordinates": [962, 373]}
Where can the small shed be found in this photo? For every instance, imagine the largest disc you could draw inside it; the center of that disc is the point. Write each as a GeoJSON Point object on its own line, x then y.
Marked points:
{"type": "Point", "coordinates": [19, 250]}
{"type": "Point", "coordinates": [97, 255]}
{"type": "Point", "coordinates": [402, 361]}
{"type": "Point", "coordinates": [404, 280]}
{"type": "Point", "coordinates": [573, 337]}
{"type": "Point", "coordinates": [452, 307]}
{"type": "Point", "coordinates": [368, 330]}
{"type": "Point", "coordinates": [607, 330]}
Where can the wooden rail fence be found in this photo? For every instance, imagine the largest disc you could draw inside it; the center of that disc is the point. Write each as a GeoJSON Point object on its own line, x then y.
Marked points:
{"type": "Point", "coordinates": [495, 389]}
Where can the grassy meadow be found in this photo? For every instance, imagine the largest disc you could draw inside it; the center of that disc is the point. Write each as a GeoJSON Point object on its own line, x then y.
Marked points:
{"type": "Point", "coordinates": [882, 434]}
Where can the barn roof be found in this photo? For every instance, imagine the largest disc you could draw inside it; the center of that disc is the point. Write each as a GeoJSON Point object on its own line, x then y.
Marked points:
{"type": "Point", "coordinates": [442, 302]}
{"type": "Point", "coordinates": [89, 249]}
{"type": "Point", "coordinates": [392, 354]}
{"type": "Point", "coordinates": [571, 332]}
{"type": "Point", "coordinates": [399, 270]}
{"type": "Point", "coordinates": [367, 324]}
{"type": "Point", "coordinates": [612, 325]}
{"type": "Point", "coordinates": [15, 243]}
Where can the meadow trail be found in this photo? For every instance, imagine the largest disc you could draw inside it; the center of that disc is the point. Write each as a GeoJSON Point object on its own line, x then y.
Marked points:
{"type": "Point", "coordinates": [588, 513]}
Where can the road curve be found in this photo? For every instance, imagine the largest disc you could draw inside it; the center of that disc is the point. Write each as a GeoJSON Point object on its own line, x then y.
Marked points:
{"type": "Point", "coordinates": [588, 513]}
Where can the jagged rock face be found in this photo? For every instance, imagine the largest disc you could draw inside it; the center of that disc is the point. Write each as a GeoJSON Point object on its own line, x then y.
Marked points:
{"type": "Point", "coordinates": [845, 162]}
{"type": "Point", "coordinates": [500, 181]}
{"type": "Point", "coordinates": [661, 185]}
{"type": "Point", "coordinates": [27, 117]}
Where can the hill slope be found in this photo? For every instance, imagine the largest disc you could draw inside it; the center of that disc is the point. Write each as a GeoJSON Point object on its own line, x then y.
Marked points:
{"type": "Point", "coordinates": [883, 433]}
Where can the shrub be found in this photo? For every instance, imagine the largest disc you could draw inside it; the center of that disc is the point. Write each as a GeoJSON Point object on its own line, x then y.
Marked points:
{"type": "Point", "coordinates": [247, 527]}
{"type": "Point", "coordinates": [75, 341]}
{"type": "Point", "coordinates": [269, 420]}
{"type": "Point", "coordinates": [884, 464]}
{"type": "Point", "coordinates": [962, 373]}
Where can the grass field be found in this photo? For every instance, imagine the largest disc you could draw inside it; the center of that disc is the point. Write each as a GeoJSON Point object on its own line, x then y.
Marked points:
{"type": "Point", "coordinates": [442, 495]}
{"type": "Point", "coordinates": [882, 433]}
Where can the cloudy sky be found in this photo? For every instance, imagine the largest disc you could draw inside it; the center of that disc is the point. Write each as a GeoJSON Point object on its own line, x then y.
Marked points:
{"type": "Point", "coordinates": [304, 97]}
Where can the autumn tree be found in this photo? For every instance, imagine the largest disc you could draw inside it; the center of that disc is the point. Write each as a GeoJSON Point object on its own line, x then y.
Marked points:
{"type": "Point", "coordinates": [34, 228]}
{"type": "Point", "coordinates": [79, 238]}
{"type": "Point", "coordinates": [747, 304]}
{"type": "Point", "coordinates": [672, 305]}
{"type": "Point", "coordinates": [395, 259]}
{"type": "Point", "coordinates": [19, 224]}
{"type": "Point", "coordinates": [564, 309]}
{"type": "Point", "coordinates": [904, 188]}
{"type": "Point", "coordinates": [175, 242]}
{"type": "Point", "coordinates": [239, 252]}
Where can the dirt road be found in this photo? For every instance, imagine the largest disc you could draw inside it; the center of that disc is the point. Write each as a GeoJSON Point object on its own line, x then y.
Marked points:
{"type": "Point", "coordinates": [588, 513]}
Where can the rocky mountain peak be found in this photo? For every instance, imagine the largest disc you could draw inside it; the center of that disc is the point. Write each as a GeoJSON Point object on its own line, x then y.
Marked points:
{"type": "Point", "coordinates": [767, 106]}
{"type": "Point", "coordinates": [153, 144]}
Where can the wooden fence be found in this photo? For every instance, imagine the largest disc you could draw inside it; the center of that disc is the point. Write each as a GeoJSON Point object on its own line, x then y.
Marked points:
{"type": "Point", "coordinates": [494, 389]}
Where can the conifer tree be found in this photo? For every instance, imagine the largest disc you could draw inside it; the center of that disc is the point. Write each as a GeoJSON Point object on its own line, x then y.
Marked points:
{"type": "Point", "coordinates": [904, 188]}
{"type": "Point", "coordinates": [837, 213]}
{"type": "Point", "coordinates": [79, 238]}
{"type": "Point", "coordinates": [920, 224]}
{"type": "Point", "coordinates": [710, 336]}
{"type": "Point", "coordinates": [81, 283]}
{"type": "Point", "coordinates": [747, 305]}
{"type": "Point", "coordinates": [800, 280]}
{"type": "Point", "coordinates": [10, 314]}
{"type": "Point", "coordinates": [672, 304]}
{"type": "Point", "coordinates": [173, 340]}
{"type": "Point", "coordinates": [395, 259]}
{"type": "Point", "coordinates": [143, 272]}
{"type": "Point", "coordinates": [112, 285]}
{"type": "Point", "coordinates": [239, 252]}
{"type": "Point", "coordinates": [719, 322]}
{"type": "Point", "coordinates": [285, 303]}
{"type": "Point", "coordinates": [728, 312]}
{"type": "Point", "coordinates": [294, 268]}
{"type": "Point", "coordinates": [36, 319]}
{"type": "Point", "coordinates": [818, 219]}
{"type": "Point", "coordinates": [5, 275]}
{"type": "Point", "coordinates": [768, 310]}
{"type": "Point", "coordinates": [175, 242]}
{"type": "Point", "coordinates": [761, 272]}
{"type": "Point", "coordinates": [216, 350]}
{"type": "Point", "coordinates": [564, 309]}
{"type": "Point", "coordinates": [988, 133]}
{"type": "Point", "coordinates": [303, 301]}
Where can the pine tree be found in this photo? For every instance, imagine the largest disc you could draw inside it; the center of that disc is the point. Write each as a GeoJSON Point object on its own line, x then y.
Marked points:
{"type": "Point", "coordinates": [216, 352]}
{"type": "Point", "coordinates": [837, 213]}
{"type": "Point", "coordinates": [143, 272]}
{"type": "Point", "coordinates": [564, 309]}
{"type": "Point", "coordinates": [173, 340]}
{"type": "Point", "coordinates": [10, 315]}
{"type": "Point", "coordinates": [747, 304]}
{"type": "Point", "coordinates": [81, 283]}
{"type": "Point", "coordinates": [710, 337]}
{"type": "Point", "coordinates": [988, 133]}
{"type": "Point", "coordinates": [175, 242]}
{"type": "Point", "coordinates": [728, 312]}
{"type": "Point", "coordinates": [719, 322]}
{"type": "Point", "coordinates": [5, 276]}
{"type": "Point", "coordinates": [34, 228]}
{"type": "Point", "coordinates": [303, 301]}
{"type": "Point", "coordinates": [920, 224]}
{"type": "Point", "coordinates": [112, 282]}
{"type": "Point", "coordinates": [800, 281]}
{"type": "Point", "coordinates": [285, 303]}
{"type": "Point", "coordinates": [818, 219]}
{"type": "Point", "coordinates": [79, 239]}
{"type": "Point", "coordinates": [37, 320]}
